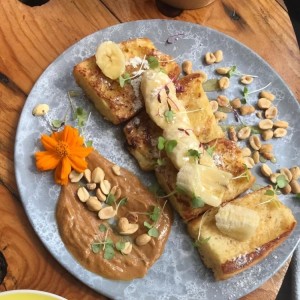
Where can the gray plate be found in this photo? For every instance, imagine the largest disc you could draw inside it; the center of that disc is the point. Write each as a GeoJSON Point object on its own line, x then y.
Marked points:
{"type": "Point", "coordinates": [179, 273]}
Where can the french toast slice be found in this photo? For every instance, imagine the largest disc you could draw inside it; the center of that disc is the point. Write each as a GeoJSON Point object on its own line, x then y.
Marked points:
{"type": "Point", "coordinates": [115, 103]}
{"type": "Point", "coordinates": [227, 256]}
{"type": "Point", "coordinates": [227, 157]}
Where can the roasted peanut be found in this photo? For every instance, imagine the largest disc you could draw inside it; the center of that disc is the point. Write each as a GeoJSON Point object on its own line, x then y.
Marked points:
{"type": "Point", "coordinates": [232, 134]}
{"type": "Point", "coordinates": [224, 83]}
{"type": "Point", "coordinates": [143, 239]}
{"type": "Point", "coordinates": [255, 157]}
{"type": "Point", "coordinates": [116, 170]}
{"type": "Point", "coordinates": [83, 194]}
{"type": "Point", "coordinates": [246, 79]}
{"type": "Point", "coordinates": [187, 67]}
{"type": "Point", "coordinates": [220, 116]}
{"type": "Point", "coordinates": [247, 110]}
{"type": "Point", "coordinates": [223, 71]}
{"type": "Point", "coordinates": [271, 112]}
{"type": "Point", "coordinates": [218, 55]}
{"type": "Point", "coordinates": [87, 175]}
{"type": "Point", "coordinates": [100, 195]}
{"type": "Point", "coordinates": [106, 213]}
{"type": "Point", "coordinates": [105, 186]}
{"type": "Point", "coordinates": [236, 103]}
{"type": "Point", "coordinates": [214, 105]}
{"type": "Point", "coordinates": [295, 186]}
{"type": "Point", "coordinates": [93, 204]}
{"type": "Point", "coordinates": [113, 190]}
{"type": "Point", "coordinates": [266, 94]}
{"type": "Point", "coordinates": [265, 170]}
{"type": "Point", "coordinates": [127, 248]}
{"type": "Point", "coordinates": [126, 228]}
{"type": "Point", "coordinates": [265, 124]}
{"type": "Point", "coordinates": [295, 172]}
{"type": "Point", "coordinates": [40, 110]}
{"type": "Point", "coordinates": [280, 132]}
{"type": "Point", "coordinates": [267, 134]}
{"type": "Point", "coordinates": [255, 142]}
{"type": "Point", "coordinates": [281, 124]}
{"type": "Point", "coordinates": [264, 103]}
{"type": "Point", "coordinates": [249, 162]}
{"type": "Point", "coordinates": [273, 177]}
{"type": "Point", "coordinates": [268, 155]}
{"type": "Point", "coordinates": [244, 133]}
{"type": "Point", "coordinates": [98, 175]}
{"type": "Point", "coordinates": [210, 58]}
{"type": "Point", "coordinates": [246, 152]}
{"type": "Point", "coordinates": [223, 100]}
{"type": "Point", "coordinates": [75, 176]}
{"type": "Point", "coordinates": [266, 148]}
{"type": "Point", "coordinates": [287, 173]}
{"type": "Point", "coordinates": [286, 190]}
{"type": "Point", "coordinates": [91, 186]}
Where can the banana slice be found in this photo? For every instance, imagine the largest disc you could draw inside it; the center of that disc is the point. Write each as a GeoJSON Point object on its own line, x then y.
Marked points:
{"type": "Point", "coordinates": [203, 181]}
{"type": "Point", "coordinates": [110, 59]}
{"type": "Point", "coordinates": [237, 222]}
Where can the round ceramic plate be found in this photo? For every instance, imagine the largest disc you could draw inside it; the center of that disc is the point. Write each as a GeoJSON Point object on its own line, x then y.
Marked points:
{"type": "Point", "coordinates": [29, 295]}
{"type": "Point", "coordinates": [179, 273]}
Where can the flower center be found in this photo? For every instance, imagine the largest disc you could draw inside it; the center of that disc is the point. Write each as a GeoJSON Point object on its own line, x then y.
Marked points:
{"type": "Point", "coordinates": [62, 149]}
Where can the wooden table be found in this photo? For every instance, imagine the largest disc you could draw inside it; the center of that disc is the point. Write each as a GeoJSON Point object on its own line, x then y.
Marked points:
{"type": "Point", "coordinates": [32, 37]}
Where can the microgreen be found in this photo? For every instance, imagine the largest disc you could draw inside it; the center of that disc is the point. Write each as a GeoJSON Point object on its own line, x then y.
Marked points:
{"type": "Point", "coordinates": [245, 174]}
{"type": "Point", "coordinates": [96, 247]}
{"type": "Point", "coordinates": [89, 143]}
{"type": "Point", "coordinates": [57, 123]}
{"type": "Point", "coordinates": [109, 252]}
{"type": "Point", "coordinates": [153, 62]}
{"type": "Point", "coordinates": [161, 162]}
{"type": "Point", "coordinates": [168, 145]}
{"type": "Point", "coordinates": [153, 232]}
{"type": "Point", "coordinates": [194, 154]}
{"type": "Point", "coordinates": [102, 228]}
{"type": "Point", "coordinates": [120, 245]}
{"type": "Point", "coordinates": [169, 115]}
{"type": "Point", "coordinates": [110, 199]}
{"type": "Point", "coordinates": [147, 225]}
{"type": "Point", "coordinates": [124, 79]}
{"type": "Point", "coordinates": [197, 202]}
{"type": "Point", "coordinates": [199, 239]}
{"type": "Point", "coordinates": [232, 71]}
{"type": "Point", "coordinates": [122, 202]}
{"type": "Point", "coordinates": [81, 116]}
{"type": "Point", "coordinates": [246, 92]}
{"type": "Point", "coordinates": [156, 189]}
{"type": "Point", "coordinates": [154, 215]}
{"type": "Point", "coordinates": [161, 143]}
{"type": "Point", "coordinates": [210, 150]}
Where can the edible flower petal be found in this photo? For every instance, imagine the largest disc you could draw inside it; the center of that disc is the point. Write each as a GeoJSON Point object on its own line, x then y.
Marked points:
{"type": "Point", "coordinates": [65, 151]}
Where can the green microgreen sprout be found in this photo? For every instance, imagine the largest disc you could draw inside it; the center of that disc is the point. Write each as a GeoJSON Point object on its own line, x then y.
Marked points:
{"type": "Point", "coordinates": [167, 145]}
{"type": "Point", "coordinates": [194, 154]}
{"type": "Point", "coordinates": [201, 240]}
{"type": "Point", "coordinates": [281, 182]}
{"type": "Point", "coordinates": [169, 115]}
{"type": "Point", "coordinates": [153, 62]}
{"type": "Point", "coordinates": [111, 200]}
{"type": "Point", "coordinates": [120, 245]}
{"type": "Point", "coordinates": [106, 245]}
{"type": "Point", "coordinates": [246, 92]}
{"type": "Point", "coordinates": [245, 174]}
{"type": "Point", "coordinates": [102, 228]}
{"type": "Point", "coordinates": [234, 72]}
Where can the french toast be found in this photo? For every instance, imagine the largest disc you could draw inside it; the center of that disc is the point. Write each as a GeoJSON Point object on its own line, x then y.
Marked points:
{"type": "Point", "coordinates": [228, 157]}
{"type": "Point", "coordinates": [115, 103]}
{"type": "Point", "coordinates": [227, 256]}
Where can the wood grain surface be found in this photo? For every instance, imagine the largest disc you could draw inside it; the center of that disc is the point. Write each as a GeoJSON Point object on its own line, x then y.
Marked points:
{"type": "Point", "coordinates": [32, 37]}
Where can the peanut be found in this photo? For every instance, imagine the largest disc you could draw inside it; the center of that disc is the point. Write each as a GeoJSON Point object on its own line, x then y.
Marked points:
{"type": "Point", "coordinates": [224, 83]}
{"type": "Point", "coordinates": [187, 67]}
{"type": "Point", "coordinates": [246, 79]}
{"type": "Point", "coordinates": [223, 71]}
{"type": "Point", "coordinates": [281, 124]}
{"type": "Point", "coordinates": [100, 195]}
{"type": "Point", "coordinates": [75, 176]}
{"type": "Point", "coordinates": [214, 105]}
{"type": "Point", "coordinates": [98, 175]}
{"type": "Point", "coordinates": [232, 134]}
{"type": "Point", "coordinates": [126, 228]}
{"type": "Point", "coordinates": [223, 100]}
{"type": "Point", "coordinates": [244, 133]}
{"type": "Point", "coordinates": [236, 103]}
{"type": "Point", "coordinates": [265, 124]}
{"type": "Point", "coordinates": [295, 186]}
{"type": "Point", "coordinates": [116, 170]}
{"type": "Point", "coordinates": [220, 116]}
{"type": "Point", "coordinates": [40, 110]}
{"type": "Point", "coordinates": [265, 170]}
{"type": "Point", "coordinates": [259, 114]}
{"type": "Point", "coordinates": [127, 248]}
{"type": "Point", "coordinates": [280, 132]}
{"type": "Point", "coordinates": [93, 204]}
{"type": "Point", "coordinates": [266, 94]}
{"type": "Point", "coordinates": [249, 162]}
{"type": "Point", "coordinates": [106, 213]}
{"type": "Point", "coordinates": [247, 110]}
{"type": "Point", "coordinates": [113, 190]}
{"type": "Point", "coordinates": [246, 152]}
{"type": "Point", "coordinates": [286, 190]}
{"type": "Point", "coordinates": [255, 142]}
{"type": "Point", "coordinates": [143, 239]}
{"type": "Point", "coordinates": [218, 55]}
{"type": "Point", "coordinates": [105, 187]}
{"type": "Point", "coordinates": [287, 173]}
{"type": "Point", "coordinates": [273, 177]}
{"type": "Point", "coordinates": [83, 194]}
{"type": "Point", "coordinates": [264, 103]}
{"type": "Point", "coordinates": [271, 112]}
{"type": "Point", "coordinates": [91, 186]}
{"type": "Point", "coordinates": [266, 148]}
{"type": "Point", "coordinates": [210, 58]}
{"type": "Point", "coordinates": [295, 172]}
{"type": "Point", "coordinates": [267, 134]}
{"type": "Point", "coordinates": [87, 175]}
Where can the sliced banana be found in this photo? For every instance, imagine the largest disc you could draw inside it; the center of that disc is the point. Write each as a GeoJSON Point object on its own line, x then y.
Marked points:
{"type": "Point", "coordinates": [202, 181]}
{"type": "Point", "coordinates": [237, 222]}
{"type": "Point", "coordinates": [110, 59]}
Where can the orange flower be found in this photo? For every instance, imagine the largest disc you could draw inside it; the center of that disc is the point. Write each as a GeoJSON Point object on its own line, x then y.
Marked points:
{"type": "Point", "coordinates": [64, 150]}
